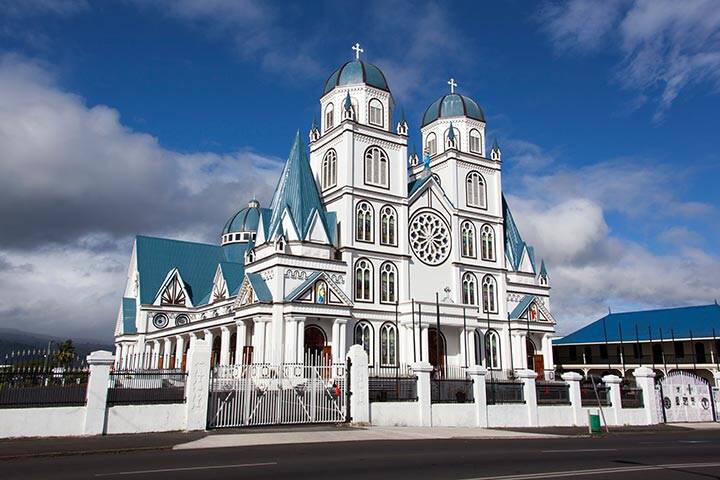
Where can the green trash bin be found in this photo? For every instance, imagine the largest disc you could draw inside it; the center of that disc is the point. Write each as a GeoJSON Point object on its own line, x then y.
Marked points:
{"type": "Point", "coordinates": [594, 422]}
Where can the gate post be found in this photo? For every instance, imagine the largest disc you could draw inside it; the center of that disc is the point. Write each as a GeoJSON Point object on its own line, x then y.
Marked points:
{"type": "Point", "coordinates": [477, 373]}
{"type": "Point", "coordinates": [198, 384]}
{"type": "Point", "coordinates": [645, 379]}
{"type": "Point", "coordinates": [530, 395]}
{"type": "Point", "coordinates": [573, 381]}
{"type": "Point", "coordinates": [613, 381]}
{"type": "Point", "coordinates": [359, 385]}
{"type": "Point", "coordinates": [100, 362]}
{"type": "Point", "coordinates": [424, 392]}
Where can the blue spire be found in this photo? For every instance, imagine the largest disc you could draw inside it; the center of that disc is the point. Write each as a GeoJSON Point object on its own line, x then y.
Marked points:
{"type": "Point", "coordinates": [314, 124]}
{"type": "Point", "coordinates": [402, 116]}
{"type": "Point", "coordinates": [348, 102]}
{"type": "Point", "coordinates": [451, 132]}
{"type": "Point", "coordinates": [297, 192]}
{"type": "Point", "coordinates": [543, 270]}
{"type": "Point", "coordinates": [495, 145]}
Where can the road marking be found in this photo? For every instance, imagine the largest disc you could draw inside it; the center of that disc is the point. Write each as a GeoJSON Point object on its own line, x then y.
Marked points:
{"type": "Point", "coordinates": [598, 471]}
{"type": "Point", "coordinates": [693, 441]}
{"type": "Point", "coordinates": [184, 469]}
{"type": "Point", "coordinates": [580, 450]}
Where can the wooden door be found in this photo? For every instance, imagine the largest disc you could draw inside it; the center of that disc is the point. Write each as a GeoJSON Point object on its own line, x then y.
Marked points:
{"type": "Point", "coordinates": [539, 362]}
{"type": "Point", "coordinates": [247, 355]}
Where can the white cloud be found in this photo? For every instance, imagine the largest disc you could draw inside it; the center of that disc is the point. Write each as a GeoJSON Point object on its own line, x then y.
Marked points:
{"type": "Point", "coordinates": [666, 45]}
{"type": "Point", "coordinates": [77, 185]}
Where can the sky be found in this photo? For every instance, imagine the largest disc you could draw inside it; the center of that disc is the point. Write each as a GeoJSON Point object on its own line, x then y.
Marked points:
{"type": "Point", "coordinates": [163, 117]}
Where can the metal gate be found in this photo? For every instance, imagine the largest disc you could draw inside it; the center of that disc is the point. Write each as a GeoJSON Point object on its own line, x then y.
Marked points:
{"type": "Point", "coordinates": [289, 393]}
{"type": "Point", "coordinates": [685, 397]}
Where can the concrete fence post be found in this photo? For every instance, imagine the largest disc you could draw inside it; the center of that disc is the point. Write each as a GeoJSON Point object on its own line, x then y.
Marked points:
{"type": "Point", "coordinates": [359, 385]}
{"type": "Point", "coordinates": [530, 395]}
{"type": "Point", "coordinates": [645, 379]}
{"type": "Point", "coordinates": [422, 370]}
{"type": "Point", "coordinates": [198, 384]}
{"type": "Point", "coordinates": [477, 374]}
{"type": "Point", "coordinates": [100, 363]}
{"type": "Point", "coordinates": [573, 381]}
{"type": "Point", "coordinates": [613, 381]}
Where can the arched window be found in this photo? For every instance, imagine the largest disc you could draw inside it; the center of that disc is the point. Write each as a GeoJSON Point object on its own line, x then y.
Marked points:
{"type": "Point", "coordinates": [363, 337]}
{"type": "Point", "coordinates": [468, 239]}
{"type": "Point", "coordinates": [489, 294]}
{"type": "Point", "coordinates": [488, 242]}
{"type": "Point", "coordinates": [475, 190]}
{"type": "Point", "coordinates": [388, 345]}
{"type": "Point", "coordinates": [457, 137]}
{"type": "Point", "coordinates": [376, 112]}
{"type": "Point", "coordinates": [475, 141]}
{"type": "Point", "coordinates": [329, 117]}
{"type": "Point", "coordinates": [329, 169]}
{"type": "Point", "coordinates": [388, 226]}
{"type": "Point", "coordinates": [469, 289]}
{"type": "Point", "coordinates": [431, 144]}
{"type": "Point", "coordinates": [363, 280]}
{"type": "Point", "coordinates": [492, 349]}
{"type": "Point", "coordinates": [364, 222]}
{"type": "Point", "coordinates": [388, 283]}
{"type": "Point", "coordinates": [376, 167]}
{"type": "Point", "coordinates": [479, 348]}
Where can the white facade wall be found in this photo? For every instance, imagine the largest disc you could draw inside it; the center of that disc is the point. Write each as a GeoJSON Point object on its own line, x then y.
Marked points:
{"type": "Point", "coordinates": [42, 422]}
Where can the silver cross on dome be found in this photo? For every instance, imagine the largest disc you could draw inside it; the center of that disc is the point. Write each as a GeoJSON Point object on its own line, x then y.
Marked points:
{"type": "Point", "coordinates": [452, 84]}
{"type": "Point", "coordinates": [358, 51]}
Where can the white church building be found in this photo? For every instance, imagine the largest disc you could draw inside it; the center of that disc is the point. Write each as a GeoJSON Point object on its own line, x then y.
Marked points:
{"type": "Point", "coordinates": [363, 243]}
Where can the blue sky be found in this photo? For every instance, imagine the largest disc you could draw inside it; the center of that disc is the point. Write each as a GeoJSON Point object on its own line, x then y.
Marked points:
{"type": "Point", "coordinates": [162, 117]}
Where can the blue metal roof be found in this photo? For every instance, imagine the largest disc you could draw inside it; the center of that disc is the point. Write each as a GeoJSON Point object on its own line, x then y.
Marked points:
{"type": "Point", "coordinates": [297, 192]}
{"type": "Point", "coordinates": [514, 244]}
{"type": "Point", "coordinates": [521, 307]}
{"type": "Point", "coordinates": [235, 252]}
{"type": "Point", "coordinates": [262, 293]}
{"type": "Point", "coordinates": [128, 316]}
{"type": "Point", "coordinates": [682, 322]}
{"type": "Point", "coordinates": [245, 220]}
{"type": "Point", "coordinates": [453, 105]}
{"type": "Point", "coordinates": [233, 274]}
{"type": "Point", "coordinates": [543, 269]}
{"type": "Point", "coordinates": [354, 73]}
{"type": "Point", "coordinates": [303, 286]}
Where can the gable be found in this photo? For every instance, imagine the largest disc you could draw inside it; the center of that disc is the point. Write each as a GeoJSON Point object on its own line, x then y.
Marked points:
{"type": "Point", "coordinates": [319, 289]}
{"type": "Point", "coordinates": [533, 309]}
{"type": "Point", "coordinates": [253, 290]}
{"type": "Point", "coordinates": [173, 291]}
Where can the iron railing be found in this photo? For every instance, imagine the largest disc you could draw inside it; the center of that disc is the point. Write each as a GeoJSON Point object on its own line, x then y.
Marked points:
{"type": "Point", "coordinates": [552, 393]}
{"type": "Point", "coordinates": [392, 384]}
{"type": "Point", "coordinates": [631, 397]}
{"type": "Point", "coordinates": [133, 387]}
{"type": "Point", "coordinates": [589, 397]}
{"type": "Point", "coordinates": [41, 387]}
{"type": "Point", "coordinates": [498, 392]}
{"type": "Point", "coordinates": [451, 384]}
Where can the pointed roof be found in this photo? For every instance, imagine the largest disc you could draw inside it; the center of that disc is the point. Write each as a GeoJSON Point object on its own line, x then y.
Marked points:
{"type": "Point", "coordinates": [402, 116]}
{"type": "Point", "coordinates": [514, 244]}
{"type": "Point", "coordinates": [348, 102]}
{"type": "Point", "coordinates": [451, 132]}
{"type": "Point", "coordinates": [495, 145]}
{"type": "Point", "coordinates": [128, 316]}
{"type": "Point", "coordinates": [296, 192]}
{"type": "Point", "coordinates": [313, 126]}
{"type": "Point", "coordinates": [543, 270]}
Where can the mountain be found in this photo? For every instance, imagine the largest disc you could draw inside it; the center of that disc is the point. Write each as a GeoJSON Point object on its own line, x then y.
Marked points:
{"type": "Point", "coordinates": [12, 340]}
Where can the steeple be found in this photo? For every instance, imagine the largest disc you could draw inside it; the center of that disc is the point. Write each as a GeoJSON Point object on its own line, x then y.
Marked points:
{"type": "Point", "coordinates": [495, 153]}
{"type": "Point", "coordinates": [414, 159]}
{"type": "Point", "coordinates": [348, 110]}
{"type": "Point", "coordinates": [296, 195]}
{"type": "Point", "coordinates": [451, 143]}
{"type": "Point", "coordinates": [402, 126]}
{"type": "Point", "coordinates": [314, 133]}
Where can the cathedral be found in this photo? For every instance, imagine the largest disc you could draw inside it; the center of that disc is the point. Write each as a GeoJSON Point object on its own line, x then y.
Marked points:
{"type": "Point", "coordinates": [416, 258]}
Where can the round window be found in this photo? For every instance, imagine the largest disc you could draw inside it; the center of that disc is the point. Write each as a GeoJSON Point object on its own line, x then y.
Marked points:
{"type": "Point", "coordinates": [160, 320]}
{"type": "Point", "coordinates": [181, 320]}
{"type": "Point", "coordinates": [430, 238]}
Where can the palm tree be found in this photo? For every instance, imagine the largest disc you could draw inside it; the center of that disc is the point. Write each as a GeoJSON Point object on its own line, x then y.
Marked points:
{"type": "Point", "coordinates": [65, 353]}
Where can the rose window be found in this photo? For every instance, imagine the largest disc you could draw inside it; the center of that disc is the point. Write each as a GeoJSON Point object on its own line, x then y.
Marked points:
{"type": "Point", "coordinates": [430, 238]}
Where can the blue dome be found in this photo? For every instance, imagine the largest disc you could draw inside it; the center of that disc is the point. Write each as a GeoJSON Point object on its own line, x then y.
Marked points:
{"type": "Point", "coordinates": [246, 220]}
{"type": "Point", "coordinates": [354, 73]}
{"type": "Point", "coordinates": [453, 105]}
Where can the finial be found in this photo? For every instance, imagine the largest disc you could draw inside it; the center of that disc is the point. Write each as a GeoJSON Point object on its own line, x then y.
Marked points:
{"type": "Point", "coordinates": [357, 50]}
{"type": "Point", "coordinates": [452, 84]}
{"type": "Point", "coordinates": [609, 311]}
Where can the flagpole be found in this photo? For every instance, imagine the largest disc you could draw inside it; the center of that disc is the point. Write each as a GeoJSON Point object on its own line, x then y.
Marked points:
{"type": "Point", "coordinates": [437, 336]}
{"type": "Point", "coordinates": [413, 332]}
{"type": "Point", "coordinates": [465, 336]}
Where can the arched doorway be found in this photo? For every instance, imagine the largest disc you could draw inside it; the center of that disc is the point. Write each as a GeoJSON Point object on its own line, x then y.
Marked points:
{"type": "Point", "coordinates": [215, 357]}
{"type": "Point", "coordinates": [316, 345]}
{"type": "Point", "coordinates": [437, 348]}
{"type": "Point", "coordinates": [530, 354]}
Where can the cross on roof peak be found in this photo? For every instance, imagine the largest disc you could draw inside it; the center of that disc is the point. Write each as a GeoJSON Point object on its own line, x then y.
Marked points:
{"type": "Point", "coordinates": [452, 84]}
{"type": "Point", "coordinates": [357, 50]}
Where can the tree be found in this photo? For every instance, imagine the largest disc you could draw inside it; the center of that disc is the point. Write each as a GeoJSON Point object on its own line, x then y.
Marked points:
{"type": "Point", "coordinates": [65, 353]}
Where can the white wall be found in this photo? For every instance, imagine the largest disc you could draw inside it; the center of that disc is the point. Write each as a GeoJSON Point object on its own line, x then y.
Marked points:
{"type": "Point", "coordinates": [453, 415]}
{"type": "Point", "coordinates": [395, 414]}
{"type": "Point", "coordinates": [507, 415]}
{"type": "Point", "coordinates": [145, 418]}
{"type": "Point", "coordinates": [555, 415]}
{"type": "Point", "coordinates": [41, 422]}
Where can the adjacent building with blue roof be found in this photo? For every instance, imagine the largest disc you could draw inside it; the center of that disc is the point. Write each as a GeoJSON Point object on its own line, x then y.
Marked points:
{"type": "Point", "coordinates": [665, 339]}
{"type": "Point", "coordinates": [359, 243]}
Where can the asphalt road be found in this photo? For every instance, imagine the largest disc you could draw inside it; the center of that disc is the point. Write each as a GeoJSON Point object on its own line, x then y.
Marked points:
{"type": "Point", "coordinates": [660, 455]}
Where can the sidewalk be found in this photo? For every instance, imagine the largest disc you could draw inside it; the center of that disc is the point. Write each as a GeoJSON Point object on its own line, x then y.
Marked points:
{"type": "Point", "coordinates": [352, 434]}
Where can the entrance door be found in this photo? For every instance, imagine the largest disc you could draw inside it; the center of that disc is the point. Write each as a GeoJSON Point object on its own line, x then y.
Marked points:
{"type": "Point", "coordinates": [530, 359]}
{"type": "Point", "coordinates": [314, 344]}
{"type": "Point", "coordinates": [539, 365]}
{"type": "Point", "coordinates": [436, 345]}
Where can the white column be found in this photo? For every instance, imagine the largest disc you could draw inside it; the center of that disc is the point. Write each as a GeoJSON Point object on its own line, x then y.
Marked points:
{"type": "Point", "coordinates": [424, 402]}
{"type": "Point", "coordinates": [335, 340]}
{"type": "Point", "coordinates": [301, 340]}
{"type": "Point", "coordinates": [167, 353]}
{"type": "Point", "coordinates": [343, 340]}
{"type": "Point", "coordinates": [645, 379]}
{"type": "Point", "coordinates": [477, 374]}
{"type": "Point", "coordinates": [407, 353]}
{"type": "Point", "coordinates": [267, 351]}
{"type": "Point", "coordinates": [124, 354]}
{"type": "Point", "coordinates": [470, 333]}
{"type": "Point", "coordinates": [179, 350]}
{"type": "Point", "coordinates": [198, 380]}
{"type": "Point", "coordinates": [155, 354]}
{"type": "Point", "coordinates": [573, 381]}
{"type": "Point", "coordinates": [291, 339]}
{"type": "Point", "coordinates": [210, 338]}
{"type": "Point", "coordinates": [424, 336]}
{"type": "Point", "coordinates": [259, 337]}
{"type": "Point", "coordinates": [463, 350]}
{"type": "Point", "coordinates": [530, 395]}
{"type": "Point", "coordinates": [613, 381]}
{"type": "Point", "coordinates": [97, 388]}
{"type": "Point", "coordinates": [359, 389]}
{"type": "Point", "coordinates": [224, 345]}
{"type": "Point", "coordinates": [240, 335]}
